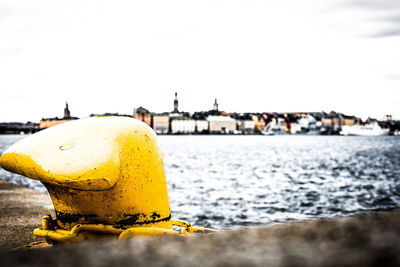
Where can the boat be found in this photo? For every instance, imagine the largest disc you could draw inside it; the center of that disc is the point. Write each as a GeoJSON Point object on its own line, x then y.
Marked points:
{"type": "Point", "coordinates": [275, 128]}
{"type": "Point", "coordinates": [370, 129]}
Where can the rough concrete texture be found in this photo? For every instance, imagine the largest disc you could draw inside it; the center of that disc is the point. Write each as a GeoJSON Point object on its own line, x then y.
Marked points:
{"type": "Point", "coordinates": [362, 240]}
{"type": "Point", "coordinates": [21, 210]}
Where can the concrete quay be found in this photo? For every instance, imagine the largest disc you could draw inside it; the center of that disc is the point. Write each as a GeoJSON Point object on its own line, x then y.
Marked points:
{"type": "Point", "coordinates": [21, 210]}
{"type": "Point", "coordinates": [363, 240]}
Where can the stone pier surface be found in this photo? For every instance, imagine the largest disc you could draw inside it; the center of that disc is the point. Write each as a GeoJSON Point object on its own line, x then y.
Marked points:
{"type": "Point", "coordinates": [21, 210]}
{"type": "Point", "coordinates": [363, 240]}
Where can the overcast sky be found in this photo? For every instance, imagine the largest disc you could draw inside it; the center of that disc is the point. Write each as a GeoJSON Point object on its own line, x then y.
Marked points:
{"type": "Point", "coordinates": [113, 56]}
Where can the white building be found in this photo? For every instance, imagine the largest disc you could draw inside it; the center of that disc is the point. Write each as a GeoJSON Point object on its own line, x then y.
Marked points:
{"type": "Point", "coordinates": [201, 126]}
{"type": "Point", "coordinates": [221, 124]}
{"type": "Point", "coordinates": [246, 126]}
{"type": "Point", "coordinates": [307, 123]}
{"type": "Point", "coordinates": [183, 125]}
{"type": "Point", "coordinates": [161, 124]}
{"type": "Point", "coordinates": [295, 128]}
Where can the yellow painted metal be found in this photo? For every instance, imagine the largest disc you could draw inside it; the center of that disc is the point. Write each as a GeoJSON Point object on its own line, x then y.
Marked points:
{"type": "Point", "coordinates": [105, 170]}
{"type": "Point", "coordinates": [82, 232]}
{"type": "Point", "coordinates": [79, 232]}
{"type": "Point", "coordinates": [145, 231]}
{"type": "Point", "coordinates": [187, 228]}
{"type": "Point", "coordinates": [104, 175]}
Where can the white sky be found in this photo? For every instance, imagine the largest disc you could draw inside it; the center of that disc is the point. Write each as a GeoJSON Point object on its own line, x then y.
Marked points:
{"type": "Point", "coordinates": [112, 56]}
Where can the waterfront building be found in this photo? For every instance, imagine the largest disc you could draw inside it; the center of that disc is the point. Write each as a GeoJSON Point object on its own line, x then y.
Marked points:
{"type": "Point", "coordinates": [332, 122]}
{"type": "Point", "coordinates": [307, 123]}
{"type": "Point", "coordinates": [201, 121]}
{"type": "Point", "coordinates": [246, 126]}
{"type": "Point", "coordinates": [183, 125]}
{"type": "Point", "coordinates": [18, 127]}
{"type": "Point", "coordinates": [348, 120]}
{"type": "Point", "coordinates": [282, 123]}
{"type": "Point", "coordinates": [161, 123]}
{"type": "Point", "coordinates": [294, 128]}
{"type": "Point", "coordinates": [49, 122]}
{"type": "Point", "coordinates": [245, 123]}
{"type": "Point", "coordinates": [259, 122]}
{"type": "Point", "coordinates": [221, 124]}
{"type": "Point", "coordinates": [142, 114]}
{"type": "Point", "coordinates": [201, 126]}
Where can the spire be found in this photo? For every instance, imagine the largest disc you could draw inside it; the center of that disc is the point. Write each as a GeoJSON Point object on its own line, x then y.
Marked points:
{"type": "Point", "coordinates": [176, 102]}
{"type": "Point", "coordinates": [67, 113]}
{"type": "Point", "coordinates": [215, 105]}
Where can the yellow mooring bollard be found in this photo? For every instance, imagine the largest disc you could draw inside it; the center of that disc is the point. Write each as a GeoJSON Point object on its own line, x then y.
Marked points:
{"type": "Point", "coordinates": [105, 176]}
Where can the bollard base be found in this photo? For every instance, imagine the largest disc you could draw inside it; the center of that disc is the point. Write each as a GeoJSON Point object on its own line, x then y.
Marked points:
{"type": "Point", "coordinates": [82, 232]}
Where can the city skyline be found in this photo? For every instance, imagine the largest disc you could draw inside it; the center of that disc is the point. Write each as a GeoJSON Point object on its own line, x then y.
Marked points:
{"type": "Point", "coordinates": [216, 121]}
{"type": "Point", "coordinates": [253, 56]}
{"type": "Point", "coordinates": [175, 107]}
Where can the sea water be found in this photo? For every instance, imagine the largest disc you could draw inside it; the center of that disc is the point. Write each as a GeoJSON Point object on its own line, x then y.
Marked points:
{"type": "Point", "coordinates": [236, 181]}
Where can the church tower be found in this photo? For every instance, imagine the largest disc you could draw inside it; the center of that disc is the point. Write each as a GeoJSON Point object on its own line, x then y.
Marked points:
{"type": "Point", "coordinates": [67, 114]}
{"type": "Point", "coordinates": [215, 105]}
{"type": "Point", "coordinates": [176, 102]}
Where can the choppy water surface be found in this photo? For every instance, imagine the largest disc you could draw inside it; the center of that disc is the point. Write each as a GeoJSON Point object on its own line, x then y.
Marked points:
{"type": "Point", "coordinates": [231, 181]}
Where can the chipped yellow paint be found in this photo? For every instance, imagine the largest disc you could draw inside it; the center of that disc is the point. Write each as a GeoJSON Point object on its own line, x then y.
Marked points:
{"type": "Point", "coordinates": [106, 170]}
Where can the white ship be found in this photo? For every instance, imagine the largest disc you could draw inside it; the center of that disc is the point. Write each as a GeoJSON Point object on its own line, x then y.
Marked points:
{"type": "Point", "coordinates": [371, 129]}
{"type": "Point", "coordinates": [275, 127]}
